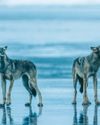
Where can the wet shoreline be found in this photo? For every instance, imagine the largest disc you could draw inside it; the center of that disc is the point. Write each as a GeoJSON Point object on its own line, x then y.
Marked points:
{"type": "Point", "coordinates": [57, 97]}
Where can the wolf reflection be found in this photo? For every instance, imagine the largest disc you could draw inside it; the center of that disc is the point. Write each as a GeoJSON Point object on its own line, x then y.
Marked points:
{"type": "Point", "coordinates": [83, 117]}
{"type": "Point", "coordinates": [30, 119]}
{"type": "Point", "coordinates": [6, 115]}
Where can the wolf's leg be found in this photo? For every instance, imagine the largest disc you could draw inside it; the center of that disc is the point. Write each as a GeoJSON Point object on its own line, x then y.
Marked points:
{"type": "Point", "coordinates": [75, 88]}
{"type": "Point", "coordinates": [40, 97]}
{"type": "Point", "coordinates": [30, 101]}
{"type": "Point", "coordinates": [3, 86]}
{"type": "Point", "coordinates": [85, 97]}
{"type": "Point", "coordinates": [8, 101]}
{"type": "Point", "coordinates": [34, 84]}
{"type": "Point", "coordinates": [95, 90]}
{"type": "Point", "coordinates": [25, 79]}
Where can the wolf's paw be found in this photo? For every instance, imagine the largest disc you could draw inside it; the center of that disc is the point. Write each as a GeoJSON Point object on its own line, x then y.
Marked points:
{"type": "Point", "coordinates": [97, 103]}
{"type": "Point", "coordinates": [27, 104]}
{"type": "Point", "coordinates": [40, 105]}
{"type": "Point", "coordinates": [74, 103]}
{"type": "Point", "coordinates": [2, 105]}
{"type": "Point", "coordinates": [8, 104]}
{"type": "Point", "coordinates": [8, 101]}
{"type": "Point", "coordinates": [86, 103]}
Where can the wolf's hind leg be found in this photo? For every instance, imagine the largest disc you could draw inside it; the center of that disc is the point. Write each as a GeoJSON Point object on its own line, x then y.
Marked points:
{"type": "Point", "coordinates": [30, 101]}
{"type": "Point", "coordinates": [34, 84]}
{"type": "Point", "coordinates": [85, 97]}
{"type": "Point", "coordinates": [75, 88]}
{"type": "Point", "coordinates": [40, 97]}
{"type": "Point", "coordinates": [95, 90]}
{"type": "Point", "coordinates": [8, 101]}
{"type": "Point", "coordinates": [25, 80]}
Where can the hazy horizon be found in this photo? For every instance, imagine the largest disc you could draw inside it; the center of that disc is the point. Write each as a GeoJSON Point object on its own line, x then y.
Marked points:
{"type": "Point", "coordinates": [48, 2]}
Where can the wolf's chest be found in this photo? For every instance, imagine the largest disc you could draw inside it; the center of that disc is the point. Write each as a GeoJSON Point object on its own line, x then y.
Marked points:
{"type": "Point", "coordinates": [92, 70]}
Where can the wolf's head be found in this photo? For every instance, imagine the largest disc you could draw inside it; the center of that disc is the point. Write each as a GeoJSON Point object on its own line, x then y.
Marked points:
{"type": "Point", "coordinates": [96, 51]}
{"type": "Point", "coordinates": [3, 50]}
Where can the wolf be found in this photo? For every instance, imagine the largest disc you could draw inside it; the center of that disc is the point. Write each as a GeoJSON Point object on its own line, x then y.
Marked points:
{"type": "Point", "coordinates": [83, 68]}
{"type": "Point", "coordinates": [11, 69]}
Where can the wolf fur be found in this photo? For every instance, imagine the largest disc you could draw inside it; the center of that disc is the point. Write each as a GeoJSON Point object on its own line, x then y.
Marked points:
{"type": "Point", "coordinates": [14, 69]}
{"type": "Point", "coordinates": [83, 68]}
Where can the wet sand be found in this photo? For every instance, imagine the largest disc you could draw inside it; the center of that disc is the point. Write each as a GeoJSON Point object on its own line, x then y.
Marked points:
{"type": "Point", "coordinates": [57, 110]}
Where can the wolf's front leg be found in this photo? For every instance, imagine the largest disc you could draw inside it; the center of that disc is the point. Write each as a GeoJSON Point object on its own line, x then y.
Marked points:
{"type": "Point", "coordinates": [95, 90]}
{"type": "Point", "coordinates": [8, 101]}
{"type": "Point", "coordinates": [75, 89]}
{"type": "Point", "coordinates": [85, 97]}
{"type": "Point", "coordinates": [3, 86]}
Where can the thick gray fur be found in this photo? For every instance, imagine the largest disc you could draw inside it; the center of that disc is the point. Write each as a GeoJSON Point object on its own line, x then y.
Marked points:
{"type": "Point", "coordinates": [11, 70]}
{"type": "Point", "coordinates": [83, 68]}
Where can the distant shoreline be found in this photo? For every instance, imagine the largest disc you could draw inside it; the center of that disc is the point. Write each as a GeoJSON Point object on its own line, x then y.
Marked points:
{"type": "Point", "coordinates": [50, 12]}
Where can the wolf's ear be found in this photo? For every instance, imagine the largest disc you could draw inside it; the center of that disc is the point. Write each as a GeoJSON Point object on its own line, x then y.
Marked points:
{"type": "Point", "coordinates": [99, 48]}
{"type": "Point", "coordinates": [94, 49]}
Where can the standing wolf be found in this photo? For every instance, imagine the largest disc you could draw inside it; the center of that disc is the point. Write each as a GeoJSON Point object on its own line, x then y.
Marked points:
{"type": "Point", "coordinates": [83, 68]}
{"type": "Point", "coordinates": [14, 69]}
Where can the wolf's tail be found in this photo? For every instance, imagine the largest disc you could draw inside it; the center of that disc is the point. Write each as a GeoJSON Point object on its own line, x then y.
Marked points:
{"type": "Point", "coordinates": [81, 83]}
{"type": "Point", "coordinates": [28, 85]}
{"type": "Point", "coordinates": [32, 89]}
{"type": "Point", "coordinates": [76, 76]}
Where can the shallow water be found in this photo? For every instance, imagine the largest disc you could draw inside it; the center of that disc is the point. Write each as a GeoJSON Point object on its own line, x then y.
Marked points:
{"type": "Point", "coordinates": [57, 109]}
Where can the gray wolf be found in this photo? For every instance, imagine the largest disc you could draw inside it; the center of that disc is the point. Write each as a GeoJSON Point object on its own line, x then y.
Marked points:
{"type": "Point", "coordinates": [83, 68]}
{"type": "Point", "coordinates": [11, 70]}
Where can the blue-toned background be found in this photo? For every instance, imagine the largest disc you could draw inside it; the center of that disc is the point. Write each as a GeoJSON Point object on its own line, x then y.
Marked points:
{"type": "Point", "coordinates": [50, 36]}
